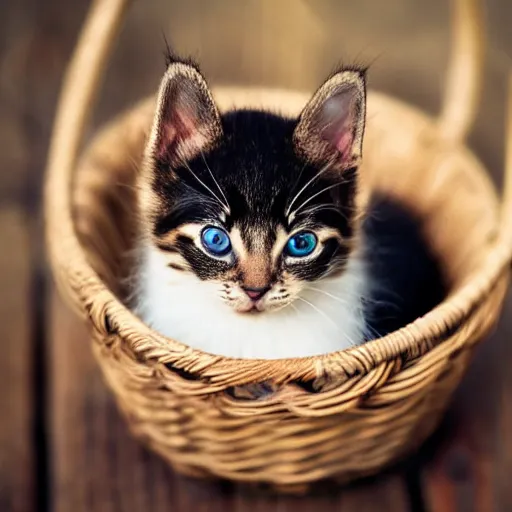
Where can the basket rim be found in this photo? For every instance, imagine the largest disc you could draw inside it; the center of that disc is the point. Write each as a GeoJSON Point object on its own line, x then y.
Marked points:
{"type": "Point", "coordinates": [76, 278]}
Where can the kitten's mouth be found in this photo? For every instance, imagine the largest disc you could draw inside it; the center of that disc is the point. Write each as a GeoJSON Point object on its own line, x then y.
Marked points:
{"type": "Point", "coordinates": [252, 309]}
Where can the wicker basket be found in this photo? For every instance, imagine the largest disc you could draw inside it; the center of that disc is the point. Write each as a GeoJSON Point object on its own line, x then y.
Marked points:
{"type": "Point", "coordinates": [378, 401]}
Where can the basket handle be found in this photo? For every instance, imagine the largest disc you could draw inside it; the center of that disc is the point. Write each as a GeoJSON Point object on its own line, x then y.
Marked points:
{"type": "Point", "coordinates": [79, 89]}
{"type": "Point", "coordinates": [464, 77]}
{"type": "Point", "coordinates": [462, 92]}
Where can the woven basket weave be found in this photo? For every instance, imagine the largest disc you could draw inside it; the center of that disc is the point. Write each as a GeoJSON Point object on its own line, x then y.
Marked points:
{"type": "Point", "coordinates": [376, 402]}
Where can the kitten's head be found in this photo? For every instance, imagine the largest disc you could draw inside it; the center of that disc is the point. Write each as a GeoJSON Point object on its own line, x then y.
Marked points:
{"type": "Point", "coordinates": [254, 205]}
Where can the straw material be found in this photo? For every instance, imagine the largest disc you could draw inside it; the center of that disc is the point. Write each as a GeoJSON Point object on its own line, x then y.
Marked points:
{"type": "Point", "coordinates": [373, 404]}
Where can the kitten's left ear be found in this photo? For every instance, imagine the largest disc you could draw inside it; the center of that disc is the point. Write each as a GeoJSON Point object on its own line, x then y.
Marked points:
{"type": "Point", "coordinates": [331, 126]}
{"type": "Point", "coordinates": [186, 120]}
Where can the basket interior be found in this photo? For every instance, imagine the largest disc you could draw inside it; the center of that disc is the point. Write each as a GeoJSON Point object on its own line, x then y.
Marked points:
{"type": "Point", "coordinates": [445, 186]}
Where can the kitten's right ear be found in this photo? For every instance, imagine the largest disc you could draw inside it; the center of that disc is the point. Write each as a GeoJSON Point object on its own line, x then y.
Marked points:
{"type": "Point", "coordinates": [186, 119]}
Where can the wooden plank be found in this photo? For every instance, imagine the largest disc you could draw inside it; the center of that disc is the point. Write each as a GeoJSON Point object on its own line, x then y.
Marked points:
{"type": "Point", "coordinates": [36, 40]}
{"type": "Point", "coordinates": [17, 465]}
{"type": "Point", "coordinates": [29, 75]}
{"type": "Point", "coordinates": [470, 463]}
{"type": "Point", "coordinates": [466, 469]}
{"type": "Point", "coordinates": [471, 460]}
{"type": "Point", "coordinates": [503, 438]}
{"type": "Point", "coordinates": [386, 493]}
{"type": "Point", "coordinates": [95, 465]}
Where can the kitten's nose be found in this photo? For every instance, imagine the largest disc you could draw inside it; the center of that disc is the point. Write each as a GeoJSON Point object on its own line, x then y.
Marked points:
{"type": "Point", "coordinates": [255, 293]}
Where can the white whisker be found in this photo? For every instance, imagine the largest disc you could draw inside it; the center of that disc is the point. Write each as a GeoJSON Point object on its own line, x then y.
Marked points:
{"type": "Point", "coordinates": [299, 177]}
{"type": "Point", "coordinates": [317, 175]}
{"type": "Point", "coordinates": [215, 181]}
{"type": "Point", "coordinates": [320, 312]}
{"type": "Point", "coordinates": [339, 299]}
{"type": "Point", "coordinates": [350, 340]}
{"type": "Point", "coordinates": [371, 332]}
{"type": "Point", "coordinates": [323, 207]}
{"type": "Point", "coordinates": [205, 186]}
{"type": "Point", "coordinates": [316, 195]}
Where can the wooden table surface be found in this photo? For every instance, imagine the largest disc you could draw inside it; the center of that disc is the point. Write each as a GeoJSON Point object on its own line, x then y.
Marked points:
{"type": "Point", "coordinates": [63, 445]}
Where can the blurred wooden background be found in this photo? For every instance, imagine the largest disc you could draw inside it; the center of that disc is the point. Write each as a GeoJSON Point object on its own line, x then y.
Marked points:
{"type": "Point", "coordinates": [63, 446]}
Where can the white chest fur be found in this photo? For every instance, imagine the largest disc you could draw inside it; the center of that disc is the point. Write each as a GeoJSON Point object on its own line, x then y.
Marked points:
{"type": "Point", "coordinates": [328, 317]}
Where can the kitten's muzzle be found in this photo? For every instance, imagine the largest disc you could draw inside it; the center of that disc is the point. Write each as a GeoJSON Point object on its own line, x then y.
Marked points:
{"type": "Point", "coordinates": [255, 294]}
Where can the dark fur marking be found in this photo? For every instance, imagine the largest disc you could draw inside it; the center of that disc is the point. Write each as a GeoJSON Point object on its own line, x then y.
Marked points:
{"type": "Point", "coordinates": [167, 248]}
{"type": "Point", "coordinates": [176, 267]}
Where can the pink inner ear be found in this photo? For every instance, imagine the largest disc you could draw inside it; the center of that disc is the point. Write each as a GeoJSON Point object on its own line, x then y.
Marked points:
{"type": "Point", "coordinates": [344, 142]}
{"type": "Point", "coordinates": [178, 130]}
{"type": "Point", "coordinates": [338, 118]}
{"type": "Point", "coordinates": [167, 137]}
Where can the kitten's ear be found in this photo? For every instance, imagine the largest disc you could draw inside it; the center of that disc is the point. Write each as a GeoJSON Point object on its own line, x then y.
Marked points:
{"type": "Point", "coordinates": [331, 126]}
{"type": "Point", "coordinates": [186, 120]}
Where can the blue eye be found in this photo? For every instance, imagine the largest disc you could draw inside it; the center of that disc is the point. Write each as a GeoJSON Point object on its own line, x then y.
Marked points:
{"type": "Point", "coordinates": [301, 244]}
{"type": "Point", "coordinates": [216, 241]}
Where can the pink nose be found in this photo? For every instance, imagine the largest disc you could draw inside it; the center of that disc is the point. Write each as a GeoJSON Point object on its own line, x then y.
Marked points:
{"type": "Point", "coordinates": [256, 293]}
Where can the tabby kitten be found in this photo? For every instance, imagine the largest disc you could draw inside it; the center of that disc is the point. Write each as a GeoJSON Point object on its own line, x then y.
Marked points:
{"type": "Point", "coordinates": [251, 241]}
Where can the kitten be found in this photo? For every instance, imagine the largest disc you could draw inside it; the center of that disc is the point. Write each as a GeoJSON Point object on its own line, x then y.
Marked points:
{"type": "Point", "coordinates": [252, 241]}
